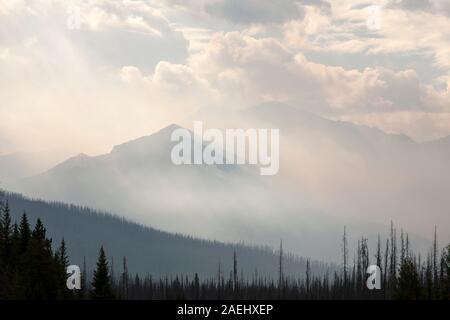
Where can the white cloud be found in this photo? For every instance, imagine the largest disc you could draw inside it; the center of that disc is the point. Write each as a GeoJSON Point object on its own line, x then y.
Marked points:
{"type": "Point", "coordinates": [346, 30]}
{"type": "Point", "coordinates": [143, 64]}
{"type": "Point", "coordinates": [421, 126]}
{"type": "Point", "coordinates": [266, 69]}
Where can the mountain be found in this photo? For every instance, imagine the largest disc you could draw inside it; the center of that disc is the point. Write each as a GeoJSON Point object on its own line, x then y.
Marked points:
{"type": "Point", "coordinates": [139, 180]}
{"type": "Point", "coordinates": [440, 146]}
{"type": "Point", "coordinates": [357, 173]}
{"type": "Point", "coordinates": [19, 165]}
{"type": "Point", "coordinates": [148, 251]}
{"type": "Point", "coordinates": [332, 174]}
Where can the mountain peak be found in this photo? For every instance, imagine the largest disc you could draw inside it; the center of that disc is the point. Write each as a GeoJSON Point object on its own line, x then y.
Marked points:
{"type": "Point", "coordinates": [78, 158]}
{"type": "Point", "coordinates": [170, 127]}
{"type": "Point", "coordinates": [158, 138]}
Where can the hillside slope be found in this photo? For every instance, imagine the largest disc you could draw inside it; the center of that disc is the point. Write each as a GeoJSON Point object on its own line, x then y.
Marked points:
{"type": "Point", "coordinates": [147, 250]}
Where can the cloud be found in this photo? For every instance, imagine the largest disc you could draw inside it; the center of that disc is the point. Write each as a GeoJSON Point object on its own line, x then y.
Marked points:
{"type": "Point", "coordinates": [265, 69]}
{"type": "Point", "coordinates": [134, 66]}
{"type": "Point", "coordinates": [256, 11]}
{"type": "Point", "coordinates": [247, 12]}
{"type": "Point", "coordinates": [421, 126]}
{"type": "Point", "coordinates": [440, 7]}
{"type": "Point", "coordinates": [129, 33]}
{"type": "Point", "coordinates": [348, 30]}
{"type": "Point", "coordinates": [57, 76]}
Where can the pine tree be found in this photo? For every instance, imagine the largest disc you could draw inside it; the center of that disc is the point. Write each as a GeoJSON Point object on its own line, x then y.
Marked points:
{"type": "Point", "coordinates": [112, 274]}
{"type": "Point", "coordinates": [435, 265]}
{"type": "Point", "coordinates": [280, 269]}
{"type": "Point", "coordinates": [124, 280]}
{"type": "Point", "coordinates": [25, 233]}
{"type": "Point", "coordinates": [15, 245]}
{"type": "Point", "coordinates": [235, 276]}
{"type": "Point", "coordinates": [82, 294]}
{"type": "Point", "coordinates": [408, 286]}
{"type": "Point", "coordinates": [101, 284]}
{"type": "Point", "coordinates": [62, 260]}
{"type": "Point", "coordinates": [5, 234]}
{"type": "Point", "coordinates": [445, 266]}
{"type": "Point", "coordinates": [385, 269]}
{"type": "Point", "coordinates": [196, 286]}
{"type": "Point", "coordinates": [5, 250]}
{"type": "Point", "coordinates": [378, 258]}
{"type": "Point", "coordinates": [345, 255]}
{"type": "Point", "coordinates": [39, 238]}
{"type": "Point", "coordinates": [308, 277]}
{"type": "Point", "coordinates": [61, 255]}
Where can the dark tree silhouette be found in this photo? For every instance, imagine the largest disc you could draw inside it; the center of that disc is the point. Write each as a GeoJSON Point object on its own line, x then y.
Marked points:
{"type": "Point", "coordinates": [408, 285]}
{"type": "Point", "coordinates": [101, 284]}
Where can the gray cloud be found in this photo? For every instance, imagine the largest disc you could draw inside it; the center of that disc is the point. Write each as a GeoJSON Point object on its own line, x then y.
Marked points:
{"type": "Point", "coordinates": [256, 11]}
{"type": "Point", "coordinates": [432, 6]}
{"type": "Point", "coordinates": [261, 11]}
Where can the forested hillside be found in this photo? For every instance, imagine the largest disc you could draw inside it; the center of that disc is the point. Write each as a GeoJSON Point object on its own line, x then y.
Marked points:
{"type": "Point", "coordinates": [31, 269]}
{"type": "Point", "coordinates": [148, 251]}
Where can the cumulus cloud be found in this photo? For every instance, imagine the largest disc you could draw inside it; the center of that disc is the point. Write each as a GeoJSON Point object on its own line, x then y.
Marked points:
{"type": "Point", "coordinates": [265, 69]}
{"type": "Point", "coordinates": [348, 30]}
{"type": "Point", "coordinates": [134, 66]}
{"type": "Point", "coordinates": [247, 12]}
{"type": "Point", "coordinates": [434, 6]}
{"type": "Point", "coordinates": [256, 11]}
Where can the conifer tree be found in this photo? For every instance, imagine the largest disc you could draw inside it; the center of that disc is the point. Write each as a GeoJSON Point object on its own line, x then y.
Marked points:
{"type": "Point", "coordinates": [101, 284]}
{"type": "Point", "coordinates": [345, 254]}
{"type": "Point", "coordinates": [25, 232]}
{"type": "Point", "coordinates": [408, 286]}
{"type": "Point", "coordinates": [62, 260]}
{"type": "Point", "coordinates": [124, 280]}
{"type": "Point", "coordinates": [235, 276]}
{"type": "Point", "coordinates": [280, 268]}
{"type": "Point", "coordinates": [445, 266]}
{"type": "Point", "coordinates": [5, 234]}
{"type": "Point", "coordinates": [61, 255]}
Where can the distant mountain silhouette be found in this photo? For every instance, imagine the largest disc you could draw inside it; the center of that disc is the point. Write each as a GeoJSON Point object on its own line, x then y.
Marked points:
{"type": "Point", "coordinates": [147, 250]}
{"type": "Point", "coordinates": [332, 174]}
{"type": "Point", "coordinates": [19, 165]}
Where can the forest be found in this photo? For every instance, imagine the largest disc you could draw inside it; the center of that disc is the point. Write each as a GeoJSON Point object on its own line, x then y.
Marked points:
{"type": "Point", "coordinates": [148, 250]}
{"type": "Point", "coordinates": [31, 267]}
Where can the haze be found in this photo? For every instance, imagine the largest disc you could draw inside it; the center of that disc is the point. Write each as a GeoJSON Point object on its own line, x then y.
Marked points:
{"type": "Point", "coordinates": [133, 67]}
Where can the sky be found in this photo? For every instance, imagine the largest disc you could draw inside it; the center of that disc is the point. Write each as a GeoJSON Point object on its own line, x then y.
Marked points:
{"type": "Point", "coordinates": [87, 75]}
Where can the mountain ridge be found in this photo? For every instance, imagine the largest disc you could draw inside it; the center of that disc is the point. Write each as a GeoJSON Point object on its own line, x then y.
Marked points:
{"type": "Point", "coordinates": [148, 250]}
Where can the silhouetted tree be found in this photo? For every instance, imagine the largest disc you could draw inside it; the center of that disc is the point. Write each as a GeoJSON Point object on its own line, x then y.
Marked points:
{"type": "Point", "coordinates": [101, 284]}
{"type": "Point", "coordinates": [408, 285]}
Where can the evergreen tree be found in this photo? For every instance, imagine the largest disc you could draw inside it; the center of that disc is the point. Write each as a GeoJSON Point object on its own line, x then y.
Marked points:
{"type": "Point", "coordinates": [235, 276]}
{"type": "Point", "coordinates": [5, 234]}
{"type": "Point", "coordinates": [280, 269]}
{"type": "Point", "coordinates": [25, 232]}
{"type": "Point", "coordinates": [62, 259]}
{"type": "Point", "coordinates": [101, 284]}
{"type": "Point", "coordinates": [124, 280]}
{"type": "Point", "coordinates": [408, 286]}
{"type": "Point", "coordinates": [5, 250]}
{"type": "Point", "coordinates": [61, 255]}
{"type": "Point", "coordinates": [445, 267]}
{"type": "Point", "coordinates": [345, 254]}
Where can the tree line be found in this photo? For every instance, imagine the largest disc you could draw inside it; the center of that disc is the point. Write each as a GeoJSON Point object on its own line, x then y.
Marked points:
{"type": "Point", "coordinates": [31, 269]}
